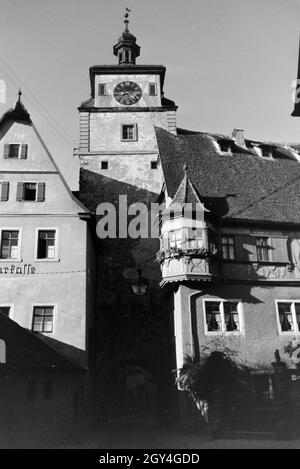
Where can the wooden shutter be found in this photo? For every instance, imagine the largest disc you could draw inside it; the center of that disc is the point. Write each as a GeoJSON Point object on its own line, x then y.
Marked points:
{"type": "Point", "coordinates": [6, 150]}
{"type": "Point", "coordinates": [23, 151]}
{"type": "Point", "coordinates": [41, 192]}
{"type": "Point", "coordinates": [278, 249]}
{"type": "Point", "coordinates": [245, 248]}
{"type": "Point", "coordinates": [20, 191]}
{"type": "Point", "coordinates": [4, 191]}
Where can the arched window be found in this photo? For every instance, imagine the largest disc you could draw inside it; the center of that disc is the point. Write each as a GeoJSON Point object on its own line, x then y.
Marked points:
{"type": "Point", "coordinates": [2, 351]}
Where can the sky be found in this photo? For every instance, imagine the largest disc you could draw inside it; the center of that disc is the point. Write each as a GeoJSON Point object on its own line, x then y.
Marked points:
{"type": "Point", "coordinates": [230, 63]}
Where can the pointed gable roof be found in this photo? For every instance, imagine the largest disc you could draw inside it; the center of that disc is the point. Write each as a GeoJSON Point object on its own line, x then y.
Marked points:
{"type": "Point", "coordinates": [186, 193]}
{"type": "Point", "coordinates": [19, 114]}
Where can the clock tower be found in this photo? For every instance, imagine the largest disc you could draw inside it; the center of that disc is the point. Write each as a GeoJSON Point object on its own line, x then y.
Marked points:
{"type": "Point", "coordinates": [117, 137]}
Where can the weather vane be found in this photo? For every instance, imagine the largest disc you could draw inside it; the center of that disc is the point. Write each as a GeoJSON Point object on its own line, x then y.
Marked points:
{"type": "Point", "coordinates": [126, 21]}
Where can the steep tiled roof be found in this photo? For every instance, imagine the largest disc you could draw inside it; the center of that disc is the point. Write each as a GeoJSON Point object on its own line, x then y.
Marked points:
{"type": "Point", "coordinates": [24, 350]}
{"type": "Point", "coordinates": [240, 185]}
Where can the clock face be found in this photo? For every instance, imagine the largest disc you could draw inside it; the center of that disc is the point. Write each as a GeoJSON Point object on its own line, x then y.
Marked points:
{"type": "Point", "coordinates": [127, 93]}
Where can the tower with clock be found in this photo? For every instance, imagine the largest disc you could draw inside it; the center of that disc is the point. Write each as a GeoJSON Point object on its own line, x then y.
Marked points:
{"type": "Point", "coordinates": [129, 337]}
{"type": "Point", "coordinates": [117, 137]}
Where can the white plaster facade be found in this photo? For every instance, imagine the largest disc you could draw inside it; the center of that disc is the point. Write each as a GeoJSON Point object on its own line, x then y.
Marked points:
{"type": "Point", "coordinates": [27, 281]}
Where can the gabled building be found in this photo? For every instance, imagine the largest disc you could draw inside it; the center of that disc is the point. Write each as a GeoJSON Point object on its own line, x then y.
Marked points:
{"type": "Point", "coordinates": [45, 274]}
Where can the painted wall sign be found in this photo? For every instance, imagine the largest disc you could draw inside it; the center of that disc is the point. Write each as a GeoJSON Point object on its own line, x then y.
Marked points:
{"type": "Point", "coordinates": [25, 269]}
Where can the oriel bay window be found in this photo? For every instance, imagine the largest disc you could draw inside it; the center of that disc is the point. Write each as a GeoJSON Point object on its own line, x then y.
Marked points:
{"type": "Point", "coordinates": [46, 247]}
{"type": "Point", "coordinates": [9, 248]}
{"type": "Point", "coordinates": [222, 316]}
{"type": "Point", "coordinates": [42, 319]}
{"type": "Point", "coordinates": [288, 316]}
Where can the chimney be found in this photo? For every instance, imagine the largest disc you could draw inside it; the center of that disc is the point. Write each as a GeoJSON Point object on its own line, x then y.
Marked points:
{"type": "Point", "coordinates": [296, 111]}
{"type": "Point", "coordinates": [238, 135]}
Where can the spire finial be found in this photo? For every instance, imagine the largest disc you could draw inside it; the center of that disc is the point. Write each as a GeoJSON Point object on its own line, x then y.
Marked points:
{"type": "Point", "coordinates": [19, 94]}
{"type": "Point", "coordinates": [185, 168]}
{"type": "Point", "coordinates": [126, 21]}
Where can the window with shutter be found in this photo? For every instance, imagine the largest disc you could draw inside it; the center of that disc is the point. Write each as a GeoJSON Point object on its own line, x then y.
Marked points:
{"type": "Point", "coordinates": [4, 190]}
{"type": "Point", "coordinates": [288, 315]}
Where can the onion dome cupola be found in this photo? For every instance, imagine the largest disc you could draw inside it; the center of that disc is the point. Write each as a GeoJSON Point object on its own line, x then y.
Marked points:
{"type": "Point", "coordinates": [126, 49]}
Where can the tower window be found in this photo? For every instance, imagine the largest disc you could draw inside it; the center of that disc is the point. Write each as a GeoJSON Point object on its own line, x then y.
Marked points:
{"type": "Point", "coordinates": [152, 89]}
{"type": "Point", "coordinates": [104, 164]}
{"type": "Point", "coordinates": [153, 164]}
{"type": "Point", "coordinates": [102, 89]}
{"type": "Point", "coordinates": [129, 132]}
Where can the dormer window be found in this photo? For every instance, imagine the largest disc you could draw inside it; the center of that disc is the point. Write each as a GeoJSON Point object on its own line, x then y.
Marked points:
{"type": "Point", "coordinates": [266, 152]}
{"type": "Point", "coordinates": [15, 151]}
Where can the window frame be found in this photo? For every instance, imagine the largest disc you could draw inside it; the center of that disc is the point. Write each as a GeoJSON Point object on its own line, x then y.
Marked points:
{"type": "Point", "coordinates": [135, 132]}
{"type": "Point", "coordinates": [154, 84]}
{"type": "Point", "coordinates": [19, 256]}
{"type": "Point", "coordinates": [268, 246]}
{"type": "Point", "coordinates": [105, 89]}
{"type": "Point", "coordinates": [36, 193]}
{"type": "Point", "coordinates": [296, 330]}
{"type": "Point", "coordinates": [36, 243]}
{"type": "Point", "coordinates": [44, 305]}
{"type": "Point", "coordinates": [223, 330]}
{"type": "Point", "coordinates": [227, 245]}
{"type": "Point", "coordinates": [228, 144]}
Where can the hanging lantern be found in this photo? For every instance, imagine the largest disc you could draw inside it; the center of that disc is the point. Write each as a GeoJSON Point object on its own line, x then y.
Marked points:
{"type": "Point", "coordinates": [140, 285]}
